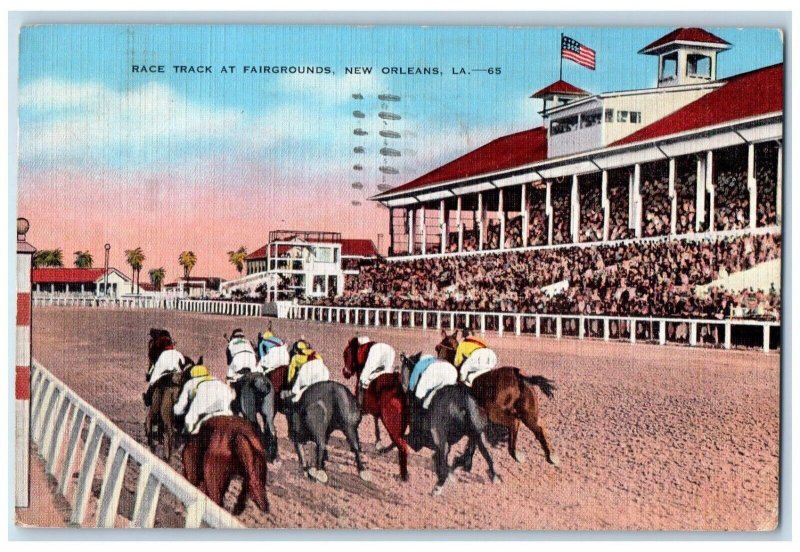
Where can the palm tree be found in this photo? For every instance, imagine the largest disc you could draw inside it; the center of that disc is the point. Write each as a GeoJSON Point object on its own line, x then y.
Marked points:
{"type": "Point", "coordinates": [135, 258]}
{"type": "Point", "coordinates": [187, 259]}
{"type": "Point", "coordinates": [48, 258]}
{"type": "Point", "coordinates": [237, 258]}
{"type": "Point", "coordinates": [83, 259]}
{"type": "Point", "coordinates": [157, 276]}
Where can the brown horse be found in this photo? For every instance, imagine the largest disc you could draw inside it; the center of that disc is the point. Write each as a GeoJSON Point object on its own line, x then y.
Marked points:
{"type": "Point", "coordinates": [384, 399]}
{"type": "Point", "coordinates": [226, 447]}
{"type": "Point", "coordinates": [160, 420]}
{"type": "Point", "coordinates": [508, 398]}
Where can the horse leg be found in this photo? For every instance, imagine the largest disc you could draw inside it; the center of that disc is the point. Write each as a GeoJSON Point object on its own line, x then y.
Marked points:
{"type": "Point", "coordinates": [529, 414]}
{"type": "Point", "coordinates": [148, 430]}
{"type": "Point", "coordinates": [464, 460]}
{"type": "Point", "coordinates": [241, 500]}
{"type": "Point", "coordinates": [479, 440]}
{"type": "Point", "coordinates": [378, 447]}
{"type": "Point", "coordinates": [351, 433]}
{"type": "Point", "coordinates": [513, 433]}
{"type": "Point", "coordinates": [442, 470]}
{"type": "Point", "coordinates": [318, 472]}
{"type": "Point", "coordinates": [394, 421]}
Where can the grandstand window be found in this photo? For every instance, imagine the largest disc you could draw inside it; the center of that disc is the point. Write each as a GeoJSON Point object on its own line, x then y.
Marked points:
{"type": "Point", "coordinates": [669, 66]}
{"type": "Point", "coordinates": [609, 115]}
{"type": "Point", "coordinates": [591, 119]}
{"type": "Point", "coordinates": [567, 124]}
{"type": "Point", "coordinates": [636, 116]}
{"type": "Point", "coordinates": [622, 116]}
{"type": "Point", "coordinates": [698, 65]}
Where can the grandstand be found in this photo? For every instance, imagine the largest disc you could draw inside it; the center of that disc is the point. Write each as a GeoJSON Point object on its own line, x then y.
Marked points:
{"type": "Point", "coordinates": [638, 203]}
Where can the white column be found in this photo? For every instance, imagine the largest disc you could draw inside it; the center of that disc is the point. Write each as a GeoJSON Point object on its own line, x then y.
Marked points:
{"type": "Point", "coordinates": [502, 215]}
{"type": "Point", "coordinates": [710, 188]}
{"type": "Point", "coordinates": [460, 225]}
{"type": "Point", "coordinates": [480, 221]}
{"type": "Point", "coordinates": [575, 210]}
{"type": "Point", "coordinates": [423, 231]}
{"type": "Point", "coordinates": [548, 212]}
{"type": "Point", "coordinates": [700, 199]}
{"type": "Point", "coordinates": [442, 228]}
{"type": "Point", "coordinates": [605, 203]}
{"type": "Point", "coordinates": [673, 197]}
{"type": "Point", "coordinates": [411, 230]}
{"type": "Point", "coordinates": [779, 184]}
{"type": "Point", "coordinates": [525, 206]}
{"type": "Point", "coordinates": [752, 184]}
{"type": "Point", "coordinates": [637, 200]}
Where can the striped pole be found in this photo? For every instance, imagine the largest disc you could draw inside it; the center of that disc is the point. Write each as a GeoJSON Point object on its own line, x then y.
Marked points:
{"type": "Point", "coordinates": [22, 379]}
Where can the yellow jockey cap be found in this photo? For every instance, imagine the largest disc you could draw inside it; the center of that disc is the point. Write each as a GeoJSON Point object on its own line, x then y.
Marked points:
{"type": "Point", "coordinates": [199, 371]}
{"type": "Point", "coordinates": [267, 335]}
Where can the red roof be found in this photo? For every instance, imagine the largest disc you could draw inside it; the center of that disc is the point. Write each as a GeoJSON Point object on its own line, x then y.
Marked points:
{"type": "Point", "coordinates": [67, 275]}
{"type": "Point", "coordinates": [358, 248]}
{"type": "Point", "coordinates": [560, 87]}
{"type": "Point", "coordinates": [260, 253]}
{"type": "Point", "coordinates": [684, 34]}
{"type": "Point", "coordinates": [742, 96]}
{"type": "Point", "coordinates": [510, 151]}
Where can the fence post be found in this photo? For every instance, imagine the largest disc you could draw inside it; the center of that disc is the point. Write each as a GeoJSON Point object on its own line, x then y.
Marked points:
{"type": "Point", "coordinates": [500, 321]}
{"type": "Point", "coordinates": [581, 327]}
{"type": "Point", "coordinates": [558, 327]}
{"type": "Point", "coordinates": [662, 332]}
{"type": "Point", "coordinates": [483, 323]}
{"type": "Point", "coordinates": [538, 326]}
{"type": "Point", "coordinates": [424, 320]}
{"type": "Point", "coordinates": [452, 321]}
{"type": "Point", "coordinates": [518, 325]}
{"type": "Point", "coordinates": [727, 335]}
{"type": "Point", "coordinates": [439, 320]}
{"type": "Point", "coordinates": [22, 371]}
{"type": "Point", "coordinates": [693, 333]}
{"type": "Point", "coordinates": [766, 338]}
{"type": "Point", "coordinates": [388, 317]}
{"type": "Point", "coordinates": [633, 330]}
{"type": "Point", "coordinates": [399, 318]}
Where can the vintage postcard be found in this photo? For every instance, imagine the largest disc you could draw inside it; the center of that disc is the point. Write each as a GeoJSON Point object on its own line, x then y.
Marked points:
{"type": "Point", "coordinates": [399, 277]}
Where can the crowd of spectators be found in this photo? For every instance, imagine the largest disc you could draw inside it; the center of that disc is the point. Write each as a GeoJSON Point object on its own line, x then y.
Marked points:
{"type": "Point", "coordinates": [650, 278]}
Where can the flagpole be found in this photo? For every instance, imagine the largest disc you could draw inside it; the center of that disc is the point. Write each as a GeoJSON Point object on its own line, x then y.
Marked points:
{"type": "Point", "coordinates": [561, 57]}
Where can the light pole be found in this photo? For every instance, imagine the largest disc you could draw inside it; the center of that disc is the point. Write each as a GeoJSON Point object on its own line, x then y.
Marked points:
{"type": "Point", "coordinates": [105, 274]}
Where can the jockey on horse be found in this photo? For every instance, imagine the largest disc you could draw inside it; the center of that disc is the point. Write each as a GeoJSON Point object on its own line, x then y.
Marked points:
{"type": "Point", "coordinates": [473, 358]}
{"type": "Point", "coordinates": [272, 351]}
{"type": "Point", "coordinates": [427, 377]}
{"type": "Point", "coordinates": [377, 359]}
{"type": "Point", "coordinates": [240, 355]}
{"type": "Point", "coordinates": [202, 397]}
{"type": "Point", "coordinates": [306, 368]}
{"type": "Point", "coordinates": [164, 360]}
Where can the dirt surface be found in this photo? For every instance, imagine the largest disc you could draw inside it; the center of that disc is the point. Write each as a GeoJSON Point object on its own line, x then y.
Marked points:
{"type": "Point", "coordinates": [649, 437]}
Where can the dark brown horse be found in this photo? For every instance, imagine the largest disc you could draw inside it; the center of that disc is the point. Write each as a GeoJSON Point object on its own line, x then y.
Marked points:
{"type": "Point", "coordinates": [508, 398]}
{"type": "Point", "coordinates": [226, 447]}
{"type": "Point", "coordinates": [385, 399]}
{"type": "Point", "coordinates": [159, 422]}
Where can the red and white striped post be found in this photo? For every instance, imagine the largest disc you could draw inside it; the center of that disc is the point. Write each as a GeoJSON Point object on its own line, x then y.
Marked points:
{"type": "Point", "coordinates": [22, 392]}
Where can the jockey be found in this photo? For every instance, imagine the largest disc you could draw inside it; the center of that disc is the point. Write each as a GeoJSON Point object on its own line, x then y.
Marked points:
{"type": "Point", "coordinates": [241, 356]}
{"type": "Point", "coordinates": [169, 361]}
{"type": "Point", "coordinates": [428, 376]}
{"type": "Point", "coordinates": [202, 396]}
{"type": "Point", "coordinates": [473, 358]}
{"type": "Point", "coordinates": [305, 369]}
{"type": "Point", "coordinates": [272, 351]}
{"type": "Point", "coordinates": [380, 360]}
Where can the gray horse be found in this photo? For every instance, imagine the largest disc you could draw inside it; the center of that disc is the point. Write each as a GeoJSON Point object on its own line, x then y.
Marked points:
{"type": "Point", "coordinates": [452, 415]}
{"type": "Point", "coordinates": [255, 396]}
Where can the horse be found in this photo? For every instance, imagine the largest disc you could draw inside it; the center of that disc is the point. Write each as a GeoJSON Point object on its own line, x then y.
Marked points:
{"type": "Point", "coordinates": [453, 414]}
{"type": "Point", "coordinates": [255, 394]}
{"type": "Point", "coordinates": [160, 420]}
{"type": "Point", "coordinates": [225, 447]}
{"type": "Point", "coordinates": [508, 398]}
{"type": "Point", "coordinates": [385, 400]}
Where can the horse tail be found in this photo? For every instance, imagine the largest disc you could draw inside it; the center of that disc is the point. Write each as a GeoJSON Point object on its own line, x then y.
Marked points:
{"type": "Point", "coordinates": [252, 457]}
{"type": "Point", "coordinates": [547, 386]}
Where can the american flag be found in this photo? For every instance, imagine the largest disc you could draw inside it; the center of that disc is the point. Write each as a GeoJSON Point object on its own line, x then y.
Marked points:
{"type": "Point", "coordinates": [573, 50]}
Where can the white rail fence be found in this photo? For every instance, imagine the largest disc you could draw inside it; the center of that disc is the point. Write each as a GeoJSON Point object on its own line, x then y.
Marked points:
{"type": "Point", "coordinates": [693, 332]}
{"type": "Point", "coordinates": [230, 308]}
{"type": "Point", "coordinates": [62, 424]}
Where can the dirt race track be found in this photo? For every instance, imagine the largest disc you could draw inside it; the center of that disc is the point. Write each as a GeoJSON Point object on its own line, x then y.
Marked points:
{"type": "Point", "coordinates": [659, 438]}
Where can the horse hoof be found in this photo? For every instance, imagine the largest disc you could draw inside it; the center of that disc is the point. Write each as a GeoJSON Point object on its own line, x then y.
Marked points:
{"type": "Point", "coordinates": [318, 475]}
{"type": "Point", "coordinates": [554, 460]}
{"type": "Point", "coordinates": [520, 457]}
{"type": "Point", "coordinates": [437, 490]}
{"type": "Point", "coordinates": [450, 478]}
{"type": "Point", "coordinates": [495, 478]}
{"type": "Point", "coordinates": [365, 475]}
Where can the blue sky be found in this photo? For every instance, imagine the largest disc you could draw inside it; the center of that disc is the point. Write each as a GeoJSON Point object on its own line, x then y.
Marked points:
{"type": "Point", "coordinates": [88, 122]}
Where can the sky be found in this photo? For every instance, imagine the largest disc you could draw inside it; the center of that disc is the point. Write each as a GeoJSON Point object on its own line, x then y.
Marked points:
{"type": "Point", "coordinates": [213, 161]}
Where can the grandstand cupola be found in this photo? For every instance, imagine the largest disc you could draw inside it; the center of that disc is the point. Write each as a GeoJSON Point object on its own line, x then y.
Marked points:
{"type": "Point", "coordinates": [559, 93]}
{"type": "Point", "coordinates": [686, 56]}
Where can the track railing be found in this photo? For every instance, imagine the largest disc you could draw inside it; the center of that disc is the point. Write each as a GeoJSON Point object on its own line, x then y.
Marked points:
{"type": "Point", "coordinates": [230, 308]}
{"type": "Point", "coordinates": [693, 332]}
{"type": "Point", "coordinates": [62, 424]}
